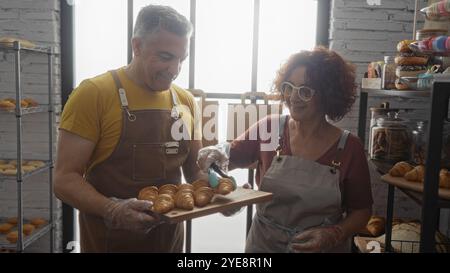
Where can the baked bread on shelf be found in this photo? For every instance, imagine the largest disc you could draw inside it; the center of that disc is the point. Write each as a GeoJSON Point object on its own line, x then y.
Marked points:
{"type": "Point", "coordinates": [400, 169]}
{"type": "Point", "coordinates": [416, 174]}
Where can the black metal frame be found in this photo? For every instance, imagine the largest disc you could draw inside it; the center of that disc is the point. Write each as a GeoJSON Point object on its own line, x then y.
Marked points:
{"type": "Point", "coordinates": [67, 85]}
{"type": "Point", "coordinates": [430, 201]}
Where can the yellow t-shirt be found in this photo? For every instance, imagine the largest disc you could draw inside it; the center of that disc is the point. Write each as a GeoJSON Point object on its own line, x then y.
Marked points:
{"type": "Point", "coordinates": [93, 111]}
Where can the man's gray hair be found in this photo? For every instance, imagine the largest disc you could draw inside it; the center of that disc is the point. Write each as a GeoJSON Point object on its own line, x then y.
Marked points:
{"type": "Point", "coordinates": [153, 18]}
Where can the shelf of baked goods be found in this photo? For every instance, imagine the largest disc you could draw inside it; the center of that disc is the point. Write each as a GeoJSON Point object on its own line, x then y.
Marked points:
{"type": "Point", "coordinates": [405, 237]}
{"type": "Point", "coordinates": [413, 188]}
{"type": "Point", "coordinates": [7, 43]}
{"type": "Point", "coordinates": [8, 168]}
{"type": "Point", "coordinates": [28, 106]}
{"type": "Point", "coordinates": [33, 229]}
{"type": "Point", "coordinates": [177, 203]}
{"type": "Point", "coordinates": [409, 179]}
{"type": "Point", "coordinates": [397, 93]}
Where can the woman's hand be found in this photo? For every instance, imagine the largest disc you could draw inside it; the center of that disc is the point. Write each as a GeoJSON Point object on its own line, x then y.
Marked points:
{"type": "Point", "coordinates": [320, 239]}
{"type": "Point", "coordinates": [212, 154]}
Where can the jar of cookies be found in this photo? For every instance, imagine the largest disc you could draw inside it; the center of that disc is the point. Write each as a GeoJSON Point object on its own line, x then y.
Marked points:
{"type": "Point", "coordinates": [391, 140]}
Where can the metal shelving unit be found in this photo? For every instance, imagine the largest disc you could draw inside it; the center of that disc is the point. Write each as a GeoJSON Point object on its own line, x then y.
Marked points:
{"type": "Point", "coordinates": [428, 200]}
{"type": "Point", "coordinates": [19, 112]}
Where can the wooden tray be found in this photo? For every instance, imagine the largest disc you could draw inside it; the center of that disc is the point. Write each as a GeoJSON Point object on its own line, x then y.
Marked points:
{"type": "Point", "coordinates": [220, 203]}
{"type": "Point", "coordinates": [414, 186]}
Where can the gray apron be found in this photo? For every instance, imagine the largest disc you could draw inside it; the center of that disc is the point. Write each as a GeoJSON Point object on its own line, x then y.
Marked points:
{"type": "Point", "coordinates": [306, 194]}
{"type": "Point", "coordinates": [146, 155]}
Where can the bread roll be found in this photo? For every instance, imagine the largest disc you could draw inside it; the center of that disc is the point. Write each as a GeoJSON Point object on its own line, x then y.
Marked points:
{"type": "Point", "coordinates": [376, 225]}
{"type": "Point", "coordinates": [203, 196]}
{"type": "Point", "coordinates": [403, 46]}
{"type": "Point", "coordinates": [163, 203]}
{"type": "Point", "coordinates": [225, 186]}
{"type": "Point", "coordinates": [400, 169]}
{"type": "Point", "coordinates": [5, 228]}
{"type": "Point", "coordinates": [38, 222]}
{"type": "Point", "coordinates": [417, 174]}
{"type": "Point", "coordinates": [444, 179]}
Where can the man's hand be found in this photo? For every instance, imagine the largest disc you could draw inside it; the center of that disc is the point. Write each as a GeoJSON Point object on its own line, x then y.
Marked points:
{"type": "Point", "coordinates": [320, 239]}
{"type": "Point", "coordinates": [129, 214]}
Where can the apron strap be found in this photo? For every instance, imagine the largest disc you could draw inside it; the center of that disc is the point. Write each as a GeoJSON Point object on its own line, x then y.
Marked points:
{"type": "Point", "coordinates": [281, 125]}
{"type": "Point", "coordinates": [336, 163]}
{"type": "Point", "coordinates": [122, 95]}
{"type": "Point", "coordinates": [175, 114]}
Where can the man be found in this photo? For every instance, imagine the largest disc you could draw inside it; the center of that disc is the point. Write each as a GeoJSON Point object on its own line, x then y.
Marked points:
{"type": "Point", "coordinates": [116, 137]}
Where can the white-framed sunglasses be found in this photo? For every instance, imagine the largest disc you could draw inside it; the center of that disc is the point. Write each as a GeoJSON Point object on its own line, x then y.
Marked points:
{"type": "Point", "coordinates": [304, 92]}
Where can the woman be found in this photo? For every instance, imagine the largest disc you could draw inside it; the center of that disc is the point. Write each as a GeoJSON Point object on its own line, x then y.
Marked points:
{"type": "Point", "coordinates": [318, 175]}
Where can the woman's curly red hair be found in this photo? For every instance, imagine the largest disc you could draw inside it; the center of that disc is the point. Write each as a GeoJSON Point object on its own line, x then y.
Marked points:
{"type": "Point", "coordinates": [329, 74]}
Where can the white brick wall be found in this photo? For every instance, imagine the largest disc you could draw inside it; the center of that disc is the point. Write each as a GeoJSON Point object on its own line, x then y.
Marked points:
{"type": "Point", "coordinates": [363, 33]}
{"type": "Point", "coordinates": [39, 22]}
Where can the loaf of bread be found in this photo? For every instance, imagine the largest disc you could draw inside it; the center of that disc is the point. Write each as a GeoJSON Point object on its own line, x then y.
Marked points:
{"type": "Point", "coordinates": [417, 174]}
{"type": "Point", "coordinates": [400, 169]}
{"type": "Point", "coordinates": [444, 179]}
{"type": "Point", "coordinates": [376, 225]}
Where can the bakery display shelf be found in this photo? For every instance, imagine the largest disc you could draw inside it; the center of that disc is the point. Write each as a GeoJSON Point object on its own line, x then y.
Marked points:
{"type": "Point", "coordinates": [402, 183]}
{"type": "Point", "coordinates": [26, 111]}
{"type": "Point", "coordinates": [220, 203]}
{"type": "Point", "coordinates": [16, 51]}
{"type": "Point", "coordinates": [397, 93]}
{"type": "Point", "coordinates": [27, 174]}
{"type": "Point", "coordinates": [366, 244]}
{"type": "Point", "coordinates": [27, 240]}
{"type": "Point", "coordinates": [9, 46]}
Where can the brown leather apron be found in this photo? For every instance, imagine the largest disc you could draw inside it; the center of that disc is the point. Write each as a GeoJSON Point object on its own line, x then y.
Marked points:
{"type": "Point", "coordinates": [145, 155]}
{"type": "Point", "coordinates": [306, 194]}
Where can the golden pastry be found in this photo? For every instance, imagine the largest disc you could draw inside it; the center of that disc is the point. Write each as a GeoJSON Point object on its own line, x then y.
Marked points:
{"type": "Point", "coordinates": [400, 169]}
{"type": "Point", "coordinates": [9, 172]}
{"type": "Point", "coordinates": [28, 168]}
{"type": "Point", "coordinates": [225, 186]}
{"type": "Point", "coordinates": [14, 162]}
{"type": "Point", "coordinates": [2, 162]}
{"type": "Point", "coordinates": [416, 174]}
{"type": "Point", "coordinates": [5, 228]}
{"type": "Point", "coordinates": [170, 189]}
{"type": "Point", "coordinates": [31, 102]}
{"type": "Point", "coordinates": [148, 193]}
{"type": "Point", "coordinates": [12, 221]}
{"type": "Point", "coordinates": [7, 166]}
{"type": "Point", "coordinates": [23, 104]}
{"type": "Point", "coordinates": [12, 237]}
{"type": "Point", "coordinates": [444, 179]}
{"type": "Point", "coordinates": [11, 100]}
{"type": "Point", "coordinates": [189, 187]}
{"type": "Point", "coordinates": [38, 222]}
{"type": "Point", "coordinates": [184, 200]}
{"type": "Point", "coordinates": [376, 225]}
{"type": "Point", "coordinates": [36, 163]}
{"type": "Point", "coordinates": [7, 105]}
{"type": "Point", "coordinates": [200, 183]}
{"type": "Point", "coordinates": [28, 229]}
{"type": "Point", "coordinates": [203, 196]}
{"type": "Point", "coordinates": [163, 203]}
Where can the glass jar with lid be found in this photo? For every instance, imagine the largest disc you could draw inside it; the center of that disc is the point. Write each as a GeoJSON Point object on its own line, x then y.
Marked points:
{"type": "Point", "coordinates": [419, 142]}
{"type": "Point", "coordinates": [390, 139]}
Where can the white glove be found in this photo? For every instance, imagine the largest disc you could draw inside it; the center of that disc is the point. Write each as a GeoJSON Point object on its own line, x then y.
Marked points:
{"type": "Point", "coordinates": [129, 214]}
{"type": "Point", "coordinates": [213, 154]}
